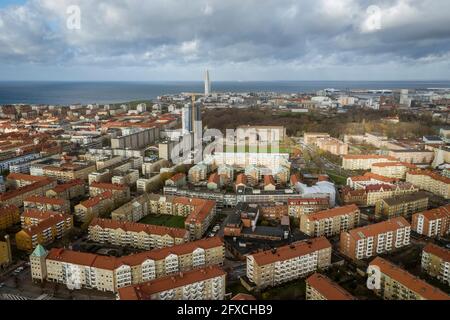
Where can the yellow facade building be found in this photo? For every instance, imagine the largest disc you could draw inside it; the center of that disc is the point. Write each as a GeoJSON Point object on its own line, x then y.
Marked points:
{"type": "Point", "coordinates": [397, 284]}
{"type": "Point", "coordinates": [45, 232]}
{"type": "Point", "coordinates": [9, 215]}
{"type": "Point", "coordinates": [107, 273]}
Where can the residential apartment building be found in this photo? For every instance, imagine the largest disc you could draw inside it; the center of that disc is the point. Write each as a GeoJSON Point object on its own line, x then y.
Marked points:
{"type": "Point", "coordinates": [269, 183]}
{"type": "Point", "coordinates": [311, 137]}
{"type": "Point", "coordinates": [320, 287]}
{"type": "Point", "coordinates": [69, 171]}
{"type": "Point", "coordinates": [136, 235]}
{"type": "Point", "coordinates": [69, 190]}
{"type": "Point", "coordinates": [200, 218]}
{"type": "Point", "coordinates": [282, 175]}
{"type": "Point", "coordinates": [128, 177]}
{"type": "Point", "coordinates": [436, 262]}
{"type": "Point", "coordinates": [373, 239]}
{"type": "Point", "coordinates": [350, 196]}
{"type": "Point", "coordinates": [330, 222]}
{"type": "Point", "coordinates": [269, 160]}
{"type": "Point", "coordinates": [34, 217]}
{"type": "Point", "coordinates": [413, 156]}
{"type": "Point", "coordinates": [378, 192]}
{"type": "Point", "coordinates": [404, 205]}
{"type": "Point", "coordinates": [100, 176]}
{"type": "Point", "coordinates": [298, 207]}
{"type": "Point", "coordinates": [432, 223]}
{"type": "Point", "coordinates": [369, 178]}
{"type": "Point", "coordinates": [5, 252]}
{"type": "Point", "coordinates": [134, 210]}
{"type": "Point", "coordinates": [227, 172]}
{"type": "Point", "coordinates": [97, 206]}
{"type": "Point", "coordinates": [430, 181]}
{"type": "Point", "coordinates": [253, 174]}
{"type": "Point", "coordinates": [392, 169]}
{"type": "Point", "coordinates": [199, 284]}
{"type": "Point", "coordinates": [107, 273]}
{"type": "Point", "coordinates": [267, 134]}
{"type": "Point", "coordinates": [9, 215]}
{"type": "Point", "coordinates": [120, 192]}
{"type": "Point", "coordinates": [45, 232]}
{"type": "Point", "coordinates": [17, 196]}
{"type": "Point", "coordinates": [273, 267]}
{"type": "Point", "coordinates": [199, 213]}
{"type": "Point", "coordinates": [364, 162]}
{"type": "Point", "coordinates": [398, 284]}
{"type": "Point", "coordinates": [198, 173]}
{"type": "Point", "coordinates": [332, 145]}
{"type": "Point", "coordinates": [177, 180]}
{"type": "Point", "coordinates": [45, 203]}
{"type": "Point", "coordinates": [19, 180]}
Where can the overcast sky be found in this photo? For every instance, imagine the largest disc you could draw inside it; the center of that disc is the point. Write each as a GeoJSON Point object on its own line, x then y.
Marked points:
{"type": "Point", "coordinates": [235, 39]}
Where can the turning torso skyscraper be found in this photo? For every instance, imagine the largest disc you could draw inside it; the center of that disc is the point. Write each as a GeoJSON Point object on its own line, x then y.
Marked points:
{"type": "Point", "coordinates": [207, 83]}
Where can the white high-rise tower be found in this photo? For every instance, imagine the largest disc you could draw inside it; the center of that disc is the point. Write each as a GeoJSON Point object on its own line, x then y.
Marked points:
{"type": "Point", "coordinates": [207, 84]}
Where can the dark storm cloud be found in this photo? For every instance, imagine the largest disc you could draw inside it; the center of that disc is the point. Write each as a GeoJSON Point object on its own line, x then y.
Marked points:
{"type": "Point", "coordinates": [189, 32]}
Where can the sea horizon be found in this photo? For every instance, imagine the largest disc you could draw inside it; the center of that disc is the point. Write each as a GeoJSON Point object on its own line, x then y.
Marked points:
{"type": "Point", "coordinates": [65, 92]}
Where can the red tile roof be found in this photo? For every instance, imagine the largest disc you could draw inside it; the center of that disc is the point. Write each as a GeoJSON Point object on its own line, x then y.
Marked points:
{"type": "Point", "coordinates": [63, 187]}
{"type": "Point", "coordinates": [88, 259]}
{"type": "Point", "coordinates": [108, 186]}
{"type": "Point", "coordinates": [394, 164]}
{"type": "Point", "coordinates": [214, 178]}
{"type": "Point", "coordinates": [431, 174]}
{"type": "Point", "coordinates": [327, 288]}
{"type": "Point", "coordinates": [7, 210]}
{"type": "Point", "coordinates": [296, 249]}
{"type": "Point", "coordinates": [368, 176]}
{"type": "Point", "coordinates": [437, 213]}
{"type": "Point", "coordinates": [46, 200]}
{"type": "Point", "coordinates": [413, 283]}
{"type": "Point", "coordinates": [144, 291]}
{"type": "Point", "coordinates": [440, 252]}
{"type": "Point", "coordinates": [201, 211]}
{"type": "Point", "coordinates": [45, 224]}
{"type": "Point", "coordinates": [25, 189]}
{"type": "Point", "coordinates": [26, 177]}
{"type": "Point", "coordinates": [92, 202]}
{"type": "Point", "coordinates": [268, 179]}
{"type": "Point", "coordinates": [37, 214]}
{"type": "Point", "coordinates": [378, 228]}
{"type": "Point", "coordinates": [368, 156]}
{"type": "Point", "coordinates": [241, 179]}
{"type": "Point", "coordinates": [177, 177]}
{"type": "Point", "coordinates": [138, 227]}
{"type": "Point", "coordinates": [294, 179]}
{"type": "Point", "coordinates": [338, 211]}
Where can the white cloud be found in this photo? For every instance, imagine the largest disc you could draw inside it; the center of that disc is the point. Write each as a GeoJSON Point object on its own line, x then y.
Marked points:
{"type": "Point", "coordinates": [226, 33]}
{"type": "Point", "coordinates": [189, 47]}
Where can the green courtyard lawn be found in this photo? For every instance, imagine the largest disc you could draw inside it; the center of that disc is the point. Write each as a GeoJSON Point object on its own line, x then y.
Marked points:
{"type": "Point", "coordinates": [294, 290]}
{"type": "Point", "coordinates": [236, 288]}
{"type": "Point", "coordinates": [164, 220]}
{"type": "Point", "coordinates": [336, 178]}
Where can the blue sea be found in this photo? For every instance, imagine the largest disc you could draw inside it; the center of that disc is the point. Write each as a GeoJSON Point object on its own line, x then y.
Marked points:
{"type": "Point", "coordinates": [64, 93]}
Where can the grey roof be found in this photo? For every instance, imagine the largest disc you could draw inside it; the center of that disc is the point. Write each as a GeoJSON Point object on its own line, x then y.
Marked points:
{"type": "Point", "coordinates": [406, 198]}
